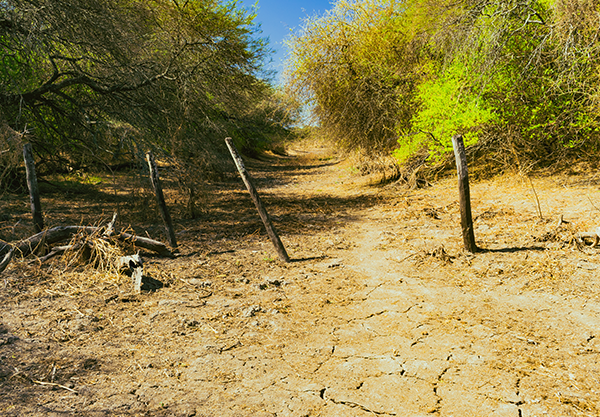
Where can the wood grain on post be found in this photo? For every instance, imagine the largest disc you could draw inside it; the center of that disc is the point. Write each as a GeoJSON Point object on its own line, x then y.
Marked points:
{"type": "Point", "coordinates": [34, 193]}
{"type": "Point", "coordinates": [281, 252]}
{"type": "Point", "coordinates": [160, 198]}
{"type": "Point", "coordinates": [466, 218]}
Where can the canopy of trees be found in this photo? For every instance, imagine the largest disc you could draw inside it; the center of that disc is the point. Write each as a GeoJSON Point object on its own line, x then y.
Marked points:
{"type": "Point", "coordinates": [518, 78]}
{"type": "Point", "coordinates": [102, 81]}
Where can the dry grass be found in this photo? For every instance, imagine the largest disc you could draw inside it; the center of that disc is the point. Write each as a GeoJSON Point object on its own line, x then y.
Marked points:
{"type": "Point", "coordinates": [520, 248]}
{"type": "Point", "coordinates": [225, 265]}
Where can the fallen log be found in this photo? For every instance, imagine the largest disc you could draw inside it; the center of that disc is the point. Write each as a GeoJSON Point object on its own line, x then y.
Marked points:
{"type": "Point", "coordinates": [147, 243]}
{"type": "Point", "coordinates": [61, 233]}
{"type": "Point", "coordinates": [49, 237]}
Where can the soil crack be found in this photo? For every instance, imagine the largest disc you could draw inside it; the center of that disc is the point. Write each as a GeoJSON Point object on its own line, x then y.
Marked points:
{"type": "Point", "coordinates": [353, 404]}
{"type": "Point", "coordinates": [438, 404]}
{"type": "Point", "coordinates": [353, 313]}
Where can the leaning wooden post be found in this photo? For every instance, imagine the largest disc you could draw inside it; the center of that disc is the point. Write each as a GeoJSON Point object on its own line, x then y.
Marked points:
{"type": "Point", "coordinates": [34, 193]}
{"type": "Point", "coordinates": [160, 198]}
{"type": "Point", "coordinates": [466, 218]}
{"type": "Point", "coordinates": [283, 256]}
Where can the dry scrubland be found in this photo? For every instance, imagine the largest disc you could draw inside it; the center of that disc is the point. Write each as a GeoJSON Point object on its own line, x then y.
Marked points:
{"type": "Point", "coordinates": [380, 313]}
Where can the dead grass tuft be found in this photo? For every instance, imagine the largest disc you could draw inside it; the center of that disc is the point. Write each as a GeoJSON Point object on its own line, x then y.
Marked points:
{"type": "Point", "coordinates": [96, 250]}
{"type": "Point", "coordinates": [438, 253]}
{"type": "Point", "coordinates": [89, 265]}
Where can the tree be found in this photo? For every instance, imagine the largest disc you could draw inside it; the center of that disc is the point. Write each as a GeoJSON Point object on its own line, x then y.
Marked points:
{"type": "Point", "coordinates": [356, 68]}
{"type": "Point", "coordinates": [533, 63]}
{"type": "Point", "coordinates": [520, 76]}
{"type": "Point", "coordinates": [93, 79]}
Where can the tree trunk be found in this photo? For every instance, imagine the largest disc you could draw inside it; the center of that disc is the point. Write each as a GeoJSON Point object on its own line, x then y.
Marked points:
{"type": "Point", "coordinates": [34, 193]}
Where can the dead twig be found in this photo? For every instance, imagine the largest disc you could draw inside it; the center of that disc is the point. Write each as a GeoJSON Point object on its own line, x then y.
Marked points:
{"type": "Point", "coordinates": [57, 250]}
{"type": "Point", "coordinates": [53, 384]}
{"type": "Point", "coordinates": [230, 347]}
{"type": "Point", "coordinates": [6, 260]}
{"type": "Point", "coordinates": [405, 258]}
{"type": "Point", "coordinates": [592, 203]}
{"type": "Point", "coordinates": [110, 228]}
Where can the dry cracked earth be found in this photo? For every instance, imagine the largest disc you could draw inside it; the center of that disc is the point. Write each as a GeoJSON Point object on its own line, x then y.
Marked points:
{"type": "Point", "coordinates": [380, 312]}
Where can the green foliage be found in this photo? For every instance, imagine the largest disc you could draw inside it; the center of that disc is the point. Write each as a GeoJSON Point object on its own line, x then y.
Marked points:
{"type": "Point", "coordinates": [354, 69]}
{"type": "Point", "coordinates": [448, 105]}
{"type": "Point", "coordinates": [100, 82]}
{"type": "Point", "coordinates": [523, 76]}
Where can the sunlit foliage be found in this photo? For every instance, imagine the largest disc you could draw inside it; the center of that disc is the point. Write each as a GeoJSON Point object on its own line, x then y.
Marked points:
{"type": "Point", "coordinates": [355, 69]}
{"type": "Point", "coordinates": [101, 82]}
{"type": "Point", "coordinates": [518, 77]}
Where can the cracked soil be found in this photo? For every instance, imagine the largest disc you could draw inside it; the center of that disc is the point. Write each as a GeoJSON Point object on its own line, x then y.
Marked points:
{"type": "Point", "coordinates": [380, 311]}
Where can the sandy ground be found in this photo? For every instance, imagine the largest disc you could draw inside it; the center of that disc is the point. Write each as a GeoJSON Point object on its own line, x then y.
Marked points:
{"type": "Point", "coordinates": [380, 312]}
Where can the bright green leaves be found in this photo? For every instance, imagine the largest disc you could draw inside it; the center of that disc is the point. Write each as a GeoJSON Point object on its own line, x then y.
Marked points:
{"type": "Point", "coordinates": [420, 71]}
{"type": "Point", "coordinates": [447, 105]}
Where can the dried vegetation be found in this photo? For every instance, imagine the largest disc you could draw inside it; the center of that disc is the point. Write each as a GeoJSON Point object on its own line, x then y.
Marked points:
{"type": "Point", "coordinates": [380, 294]}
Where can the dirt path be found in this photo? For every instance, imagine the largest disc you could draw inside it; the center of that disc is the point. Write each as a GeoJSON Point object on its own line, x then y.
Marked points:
{"type": "Point", "coordinates": [380, 313]}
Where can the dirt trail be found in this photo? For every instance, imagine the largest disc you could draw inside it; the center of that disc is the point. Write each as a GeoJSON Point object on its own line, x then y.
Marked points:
{"type": "Point", "coordinates": [380, 313]}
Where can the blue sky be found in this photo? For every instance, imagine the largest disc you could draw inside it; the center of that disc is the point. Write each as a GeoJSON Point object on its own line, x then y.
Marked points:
{"type": "Point", "coordinates": [277, 17]}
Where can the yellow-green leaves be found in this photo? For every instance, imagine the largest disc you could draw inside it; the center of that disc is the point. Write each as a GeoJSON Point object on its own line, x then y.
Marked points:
{"type": "Point", "coordinates": [413, 73]}
{"type": "Point", "coordinates": [448, 104]}
{"type": "Point", "coordinates": [354, 68]}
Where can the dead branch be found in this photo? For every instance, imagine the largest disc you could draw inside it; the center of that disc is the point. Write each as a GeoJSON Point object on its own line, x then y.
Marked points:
{"type": "Point", "coordinates": [53, 384]}
{"type": "Point", "coordinates": [4, 247]}
{"type": "Point", "coordinates": [61, 233]}
{"type": "Point", "coordinates": [6, 260]}
{"type": "Point", "coordinates": [49, 237]}
{"type": "Point", "coordinates": [110, 228]}
{"type": "Point", "coordinates": [147, 243]}
{"type": "Point", "coordinates": [57, 250]}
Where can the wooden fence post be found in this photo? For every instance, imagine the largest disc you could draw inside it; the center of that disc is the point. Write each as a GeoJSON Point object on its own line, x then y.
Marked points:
{"type": "Point", "coordinates": [466, 219]}
{"type": "Point", "coordinates": [160, 198]}
{"type": "Point", "coordinates": [34, 193]}
{"type": "Point", "coordinates": [283, 256]}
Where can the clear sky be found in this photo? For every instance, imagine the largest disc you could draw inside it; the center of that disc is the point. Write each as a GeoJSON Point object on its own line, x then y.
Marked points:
{"type": "Point", "coordinates": [278, 17]}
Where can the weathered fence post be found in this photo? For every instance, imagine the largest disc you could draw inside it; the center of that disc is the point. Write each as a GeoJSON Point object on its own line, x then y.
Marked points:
{"type": "Point", "coordinates": [283, 256]}
{"type": "Point", "coordinates": [466, 219]}
{"type": "Point", "coordinates": [34, 193]}
{"type": "Point", "coordinates": [160, 198]}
